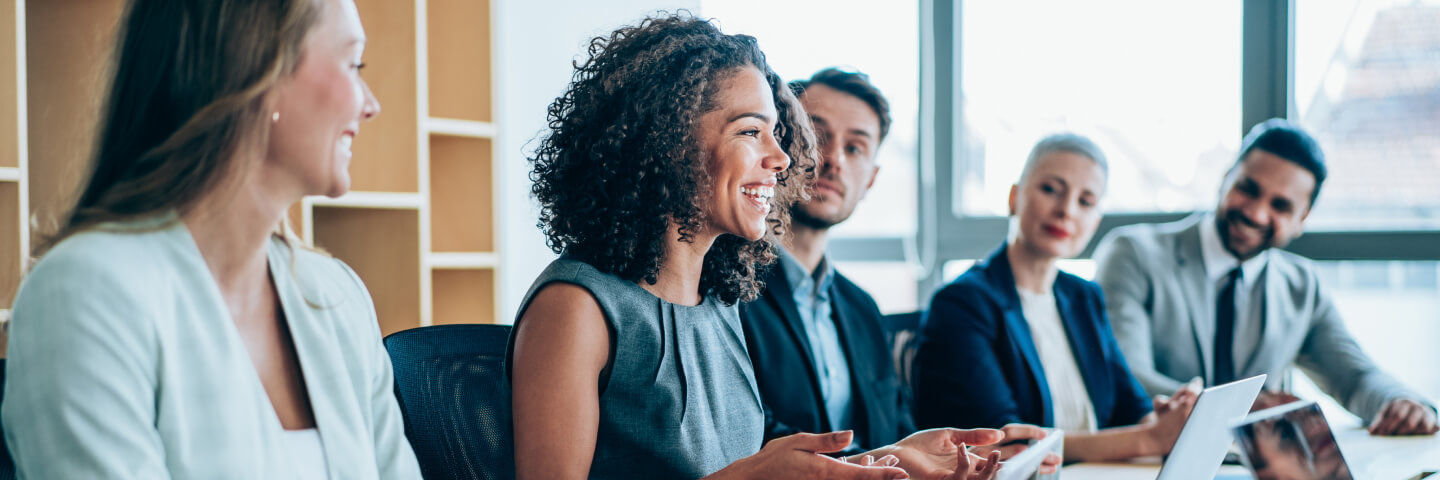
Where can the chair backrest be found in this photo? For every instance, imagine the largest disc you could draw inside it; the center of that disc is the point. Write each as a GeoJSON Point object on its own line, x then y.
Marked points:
{"type": "Point", "coordinates": [903, 330]}
{"type": "Point", "coordinates": [7, 464]}
{"type": "Point", "coordinates": [450, 382]}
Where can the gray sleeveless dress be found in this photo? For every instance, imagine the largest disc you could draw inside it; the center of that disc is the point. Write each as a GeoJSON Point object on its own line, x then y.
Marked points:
{"type": "Point", "coordinates": [680, 400]}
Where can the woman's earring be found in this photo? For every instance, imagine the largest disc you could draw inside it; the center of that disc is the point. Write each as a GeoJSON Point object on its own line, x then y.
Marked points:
{"type": "Point", "coordinates": [275, 117]}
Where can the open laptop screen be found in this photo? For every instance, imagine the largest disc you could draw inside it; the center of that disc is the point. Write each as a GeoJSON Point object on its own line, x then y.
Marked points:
{"type": "Point", "coordinates": [1291, 442]}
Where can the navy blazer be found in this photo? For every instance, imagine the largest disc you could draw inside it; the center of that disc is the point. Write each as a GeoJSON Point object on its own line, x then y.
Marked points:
{"type": "Point", "coordinates": [785, 370]}
{"type": "Point", "coordinates": [977, 365]}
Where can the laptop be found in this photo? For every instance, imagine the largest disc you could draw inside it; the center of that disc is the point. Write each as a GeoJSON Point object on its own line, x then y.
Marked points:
{"type": "Point", "coordinates": [1291, 441]}
{"type": "Point", "coordinates": [1205, 438]}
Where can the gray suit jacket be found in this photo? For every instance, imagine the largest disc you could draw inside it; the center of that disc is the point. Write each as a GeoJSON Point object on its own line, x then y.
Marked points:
{"type": "Point", "coordinates": [1163, 311]}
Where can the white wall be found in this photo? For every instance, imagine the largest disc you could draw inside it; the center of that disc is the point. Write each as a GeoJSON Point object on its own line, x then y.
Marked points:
{"type": "Point", "coordinates": [537, 40]}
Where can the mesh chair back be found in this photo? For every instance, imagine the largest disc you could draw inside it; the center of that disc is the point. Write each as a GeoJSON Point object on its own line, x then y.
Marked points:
{"type": "Point", "coordinates": [450, 382]}
{"type": "Point", "coordinates": [7, 464]}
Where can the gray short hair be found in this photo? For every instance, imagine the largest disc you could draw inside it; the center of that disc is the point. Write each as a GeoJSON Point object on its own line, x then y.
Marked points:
{"type": "Point", "coordinates": [1065, 142]}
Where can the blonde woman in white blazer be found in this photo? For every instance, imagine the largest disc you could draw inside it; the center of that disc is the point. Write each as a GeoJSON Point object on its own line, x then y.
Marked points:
{"type": "Point", "coordinates": [170, 329]}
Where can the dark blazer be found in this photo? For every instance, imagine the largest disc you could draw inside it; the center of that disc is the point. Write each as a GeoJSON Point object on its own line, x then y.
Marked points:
{"type": "Point", "coordinates": [977, 365]}
{"type": "Point", "coordinates": [785, 371]}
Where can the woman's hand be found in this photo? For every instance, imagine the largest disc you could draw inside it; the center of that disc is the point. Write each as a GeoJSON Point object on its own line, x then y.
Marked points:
{"type": "Point", "coordinates": [1169, 418]}
{"type": "Point", "coordinates": [1017, 436]}
{"type": "Point", "coordinates": [799, 456]}
{"type": "Point", "coordinates": [940, 454]}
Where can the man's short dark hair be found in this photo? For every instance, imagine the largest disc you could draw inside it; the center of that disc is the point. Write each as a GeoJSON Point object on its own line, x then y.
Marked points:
{"type": "Point", "coordinates": [854, 83]}
{"type": "Point", "coordinates": [1286, 140]}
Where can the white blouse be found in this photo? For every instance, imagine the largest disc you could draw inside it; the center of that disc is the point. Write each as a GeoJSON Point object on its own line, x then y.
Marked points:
{"type": "Point", "coordinates": [308, 453]}
{"type": "Point", "coordinates": [1069, 399]}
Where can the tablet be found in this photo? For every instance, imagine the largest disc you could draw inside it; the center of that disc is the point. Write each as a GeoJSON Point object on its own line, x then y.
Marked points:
{"type": "Point", "coordinates": [1024, 465]}
{"type": "Point", "coordinates": [1291, 441]}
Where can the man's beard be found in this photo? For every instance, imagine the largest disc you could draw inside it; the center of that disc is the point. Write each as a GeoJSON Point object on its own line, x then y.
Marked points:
{"type": "Point", "coordinates": [798, 215]}
{"type": "Point", "coordinates": [1222, 225]}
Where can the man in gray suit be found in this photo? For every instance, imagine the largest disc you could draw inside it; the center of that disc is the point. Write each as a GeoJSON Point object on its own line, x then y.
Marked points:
{"type": "Point", "coordinates": [1209, 297]}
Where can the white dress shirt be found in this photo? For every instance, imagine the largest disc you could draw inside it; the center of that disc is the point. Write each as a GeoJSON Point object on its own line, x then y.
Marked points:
{"type": "Point", "coordinates": [1249, 293]}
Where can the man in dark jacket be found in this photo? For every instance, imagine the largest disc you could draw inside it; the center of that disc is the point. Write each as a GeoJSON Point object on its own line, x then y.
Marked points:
{"type": "Point", "coordinates": [816, 339]}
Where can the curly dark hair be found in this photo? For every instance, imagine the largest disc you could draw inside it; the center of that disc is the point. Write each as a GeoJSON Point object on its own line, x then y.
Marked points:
{"type": "Point", "coordinates": [621, 160]}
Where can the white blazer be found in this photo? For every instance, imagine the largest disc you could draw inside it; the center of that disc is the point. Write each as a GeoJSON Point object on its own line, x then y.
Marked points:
{"type": "Point", "coordinates": [124, 363]}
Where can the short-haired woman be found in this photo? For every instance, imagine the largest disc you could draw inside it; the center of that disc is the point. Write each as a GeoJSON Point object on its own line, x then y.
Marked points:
{"type": "Point", "coordinates": [1016, 340]}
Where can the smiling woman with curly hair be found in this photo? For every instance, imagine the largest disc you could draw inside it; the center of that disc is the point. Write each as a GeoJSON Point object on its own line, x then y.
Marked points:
{"type": "Point", "coordinates": [665, 177]}
{"type": "Point", "coordinates": [621, 167]}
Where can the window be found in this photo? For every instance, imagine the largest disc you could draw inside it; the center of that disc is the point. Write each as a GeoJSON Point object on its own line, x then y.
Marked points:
{"type": "Point", "coordinates": [1169, 100]}
{"type": "Point", "coordinates": [800, 37]}
{"type": "Point", "coordinates": [1367, 84]}
{"type": "Point", "coordinates": [1389, 309]}
{"type": "Point", "coordinates": [1160, 96]}
{"type": "Point", "coordinates": [892, 284]}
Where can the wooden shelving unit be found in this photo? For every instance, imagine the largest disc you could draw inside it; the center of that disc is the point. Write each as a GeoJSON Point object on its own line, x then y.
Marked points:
{"type": "Point", "coordinates": [418, 225]}
{"type": "Point", "coordinates": [459, 168]}
{"type": "Point", "coordinates": [12, 154]}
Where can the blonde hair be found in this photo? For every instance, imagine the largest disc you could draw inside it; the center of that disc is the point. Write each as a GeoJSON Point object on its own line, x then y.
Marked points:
{"type": "Point", "coordinates": [190, 89]}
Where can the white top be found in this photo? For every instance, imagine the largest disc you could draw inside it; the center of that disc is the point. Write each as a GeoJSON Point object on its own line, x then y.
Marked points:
{"type": "Point", "coordinates": [308, 453]}
{"type": "Point", "coordinates": [1249, 293]}
{"type": "Point", "coordinates": [124, 363]}
{"type": "Point", "coordinates": [1069, 399]}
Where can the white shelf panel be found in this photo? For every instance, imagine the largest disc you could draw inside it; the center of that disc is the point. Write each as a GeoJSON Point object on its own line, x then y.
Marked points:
{"type": "Point", "coordinates": [9, 174]}
{"type": "Point", "coordinates": [460, 128]}
{"type": "Point", "coordinates": [461, 261]}
{"type": "Point", "coordinates": [402, 200]}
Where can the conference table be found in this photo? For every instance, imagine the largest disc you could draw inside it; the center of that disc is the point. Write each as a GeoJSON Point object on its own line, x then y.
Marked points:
{"type": "Point", "coordinates": [1369, 457]}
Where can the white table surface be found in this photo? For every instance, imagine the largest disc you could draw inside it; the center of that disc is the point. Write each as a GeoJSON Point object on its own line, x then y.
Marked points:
{"type": "Point", "coordinates": [1369, 457]}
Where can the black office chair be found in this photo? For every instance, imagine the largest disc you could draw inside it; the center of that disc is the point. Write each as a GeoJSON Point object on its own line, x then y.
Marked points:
{"type": "Point", "coordinates": [903, 331]}
{"type": "Point", "coordinates": [7, 464]}
{"type": "Point", "coordinates": [450, 382]}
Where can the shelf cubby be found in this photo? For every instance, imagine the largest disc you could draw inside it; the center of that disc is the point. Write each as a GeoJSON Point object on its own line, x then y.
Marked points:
{"type": "Point", "coordinates": [10, 93]}
{"type": "Point", "coordinates": [12, 257]}
{"type": "Point", "coordinates": [383, 246]}
{"type": "Point", "coordinates": [462, 215]}
{"type": "Point", "coordinates": [463, 296]}
{"type": "Point", "coordinates": [458, 37]}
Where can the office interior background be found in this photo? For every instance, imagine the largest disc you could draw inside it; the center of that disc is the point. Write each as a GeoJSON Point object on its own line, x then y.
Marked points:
{"type": "Point", "coordinates": [441, 226]}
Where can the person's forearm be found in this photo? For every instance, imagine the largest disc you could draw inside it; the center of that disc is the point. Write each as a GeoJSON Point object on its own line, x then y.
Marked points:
{"type": "Point", "coordinates": [1156, 383]}
{"type": "Point", "coordinates": [739, 470]}
{"type": "Point", "coordinates": [1112, 444]}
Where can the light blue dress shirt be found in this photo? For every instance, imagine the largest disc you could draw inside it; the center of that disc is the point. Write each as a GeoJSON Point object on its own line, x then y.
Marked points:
{"type": "Point", "coordinates": [812, 299]}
